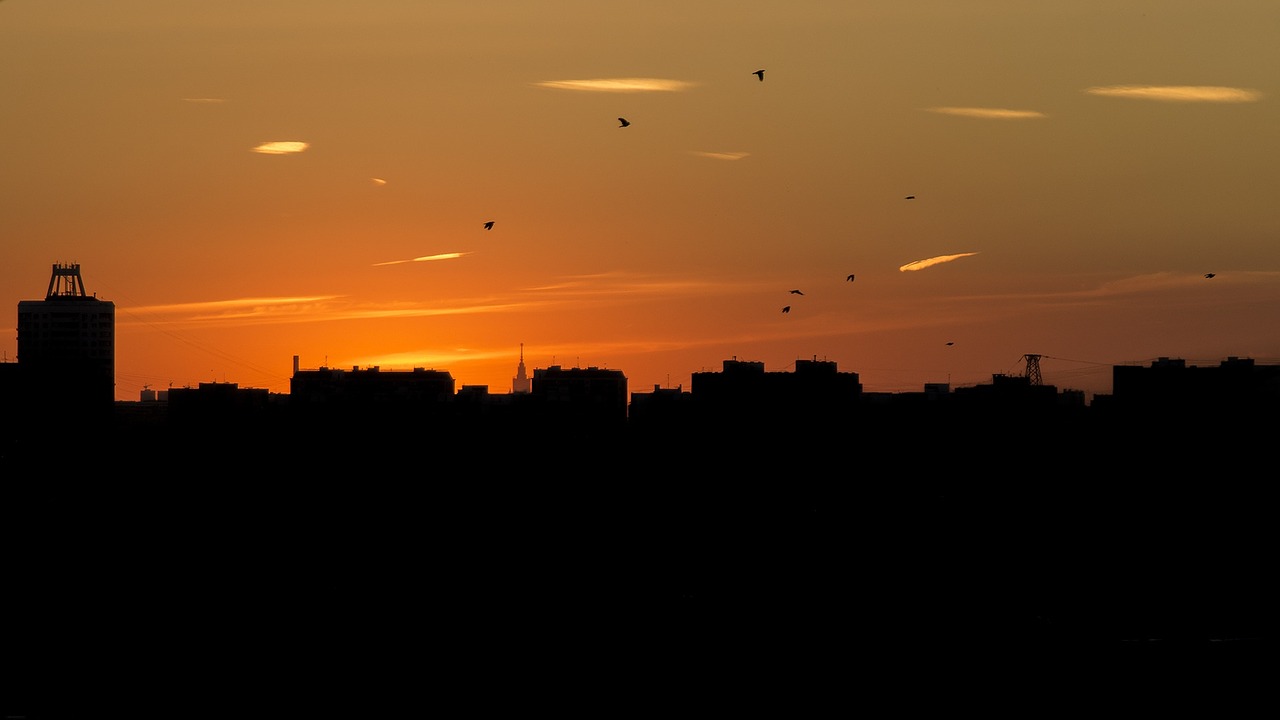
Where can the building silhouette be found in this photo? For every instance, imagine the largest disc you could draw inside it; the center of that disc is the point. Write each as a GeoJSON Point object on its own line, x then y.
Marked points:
{"type": "Point", "coordinates": [521, 382]}
{"type": "Point", "coordinates": [743, 392]}
{"type": "Point", "coordinates": [1007, 510]}
{"type": "Point", "coordinates": [66, 350]}
{"type": "Point", "coordinates": [1235, 384]}
{"type": "Point", "coordinates": [586, 397]}
{"type": "Point", "coordinates": [63, 383]}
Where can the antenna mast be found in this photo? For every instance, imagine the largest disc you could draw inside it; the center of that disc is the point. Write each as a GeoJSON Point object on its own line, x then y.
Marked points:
{"type": "Point", "coordinates": [65, 282]}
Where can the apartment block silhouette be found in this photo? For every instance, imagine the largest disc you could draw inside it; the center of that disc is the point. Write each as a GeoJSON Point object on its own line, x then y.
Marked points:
{"type": "Point", "coordinates": [66, 350]}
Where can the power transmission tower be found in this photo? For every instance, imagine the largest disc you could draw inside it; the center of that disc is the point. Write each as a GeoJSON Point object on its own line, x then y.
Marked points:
{"type": "Point", "coordinates": [1033, 368]}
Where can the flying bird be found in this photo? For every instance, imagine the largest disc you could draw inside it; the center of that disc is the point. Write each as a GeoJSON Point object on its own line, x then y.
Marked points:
{"type": "Point", "coordinates": [796, 292]}
{"type": "Point", "coordinates": [911, 197]}
{"type": "Point", "coordinates": [759, 74]}
{"type": "Point", "coordinates": [950, 344]}
{"type": "Point", "coordinates": [488, 225]}
{"type": "Point", "coordinates": [850, 278]}
{"type": "Point", "coordinates": [623, 122]}
{"type": "Point", "coordinates": [1208, 275]}
{"type": "Point", "coordinates": [786, 309]}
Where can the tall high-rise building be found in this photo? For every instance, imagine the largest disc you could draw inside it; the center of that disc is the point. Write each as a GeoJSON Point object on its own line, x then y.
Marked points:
{"type": "Point", "coordinates": [521, 382]}
{"type": "Point", "coordinates": [66, 348]}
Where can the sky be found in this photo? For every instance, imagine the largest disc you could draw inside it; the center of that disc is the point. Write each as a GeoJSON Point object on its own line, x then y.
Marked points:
{"type": "Point", "coordinates": [950, 185]}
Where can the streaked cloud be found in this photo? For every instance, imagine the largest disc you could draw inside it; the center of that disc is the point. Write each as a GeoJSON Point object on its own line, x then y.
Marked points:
{"type": "Point", "coordinates": [619, 85]}
{"type": "Point", "coordinates": [425, 258]}
{"type": "Point", "coordinates": [378, 181]}
{"type": "Point", "coordinates": [624, 285]}
{"type": "Point", "coordinates": [204, 101]}
{"type": "Point", "coordinates": [930, 262]}
{"type": "Point", "coordinates": [988, 113]}
{"type": "Point", "coordinates": [319, 308]}
{"type": "Point", "coordinates": [720, 155]}
{"type": "Point", "coordinates": [607, 286]}
{"type": "Point", "coordinates": [213, 305]}
{"type": "Point", "coordinates": [1179, 282]}
{"type": "Point", "coordinates": [1178, 93]}
{"type": "Point", "coordinates": [274, 309]}
{"type": "Point", "coordinates": [281, 147]}
{"type": "Point", "coordinates": [413, 310]}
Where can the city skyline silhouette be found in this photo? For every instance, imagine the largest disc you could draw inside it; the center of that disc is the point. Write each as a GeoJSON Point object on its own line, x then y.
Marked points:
{"type": "Point", "coordinates": [407, 375]}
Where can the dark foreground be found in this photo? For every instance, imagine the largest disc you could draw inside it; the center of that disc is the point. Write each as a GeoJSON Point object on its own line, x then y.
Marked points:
{"type": "Point", "coordinates": [516, 576]}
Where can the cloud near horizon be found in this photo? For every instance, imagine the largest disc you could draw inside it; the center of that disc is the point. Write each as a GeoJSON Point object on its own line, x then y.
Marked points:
{"type": "Point", "coordinates": [988, 113]}
{"type": "Point", "coordinates": [1178, 93]}
{"type": "Point", "coordinates": [618, 85]}
{"type": "Point", "coordinates": [324, 308]}
{"type": "Point", "coordinates": [930, 262]}
{"type": "Point", "coordinates": [231, 304]}
{"type": "Point", "coordinates": [318, 308]}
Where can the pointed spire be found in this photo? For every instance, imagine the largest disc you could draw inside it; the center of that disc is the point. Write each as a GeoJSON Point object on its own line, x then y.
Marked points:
{"type": "Point", "coordinates": [520, 384]}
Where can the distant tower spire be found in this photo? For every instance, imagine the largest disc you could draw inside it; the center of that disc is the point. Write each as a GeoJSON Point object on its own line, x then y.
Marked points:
{"type": "Point", "coordinates": [520, 384]}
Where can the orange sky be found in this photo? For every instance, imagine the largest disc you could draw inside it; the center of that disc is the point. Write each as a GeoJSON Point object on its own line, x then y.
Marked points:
{"type": "Point", "coordinates": [250, 181]}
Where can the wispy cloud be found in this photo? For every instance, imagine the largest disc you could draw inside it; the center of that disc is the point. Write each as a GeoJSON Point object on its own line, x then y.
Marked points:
{"type": "Point", "coordinates": [599, 287]}
{"type": "Point", "coordinates": [281, 147]}
{"type": "Point", "coordinates": [218, 305]}
{"type": "Point", "coordinates": [273, 308]}
{"type": "Point", "coordinates": [318, 308]}
{"type": "Point", "coordinates": [1178, 93]}
{"type": "Point", "coordinates": [930, 262]}
{"type": "Point", "coordinates": [378, 181]}
{"type": "Point", "coordinates": [720, 155]}
{"type": "Point", "coordinates": [425, 258]}
{"type": "Point", "coordinates": [623, 285]}
{"type": "Point", "coordinates": [619, 85]}
{"type": "Point", "coordinates": [204, 101]}
{"type": "Point", "coordinates": [988, 113]}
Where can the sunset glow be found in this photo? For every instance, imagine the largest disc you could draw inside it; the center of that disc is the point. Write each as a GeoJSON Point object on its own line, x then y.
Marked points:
{"type": "Point", "coordinates": [448, 185]}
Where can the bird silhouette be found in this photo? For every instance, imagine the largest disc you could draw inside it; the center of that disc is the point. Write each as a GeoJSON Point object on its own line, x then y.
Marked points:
{"type": "Point", "coordinates": [850, 278]}
{"type": "Point", "coordinates": [623, 122]}
{"type": "Point", "coordinates": [1208, 275]}
{"type": "Point", "coordinates": [911, 197]}
{"type": "Point", "coordinates": [786, 309]}
{"type": "Point", "coordinates": [950, 344]}
{"type": "Point", "coordinates": [759, 74]}
{"type": "Point", "coordinates": [488, 225]}
{"type": "Point", "coordinates": [796, 292]}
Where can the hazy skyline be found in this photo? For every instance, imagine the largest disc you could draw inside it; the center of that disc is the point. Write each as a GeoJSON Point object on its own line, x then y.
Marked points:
{"type": "Point", "coordinates": [250, 181]}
